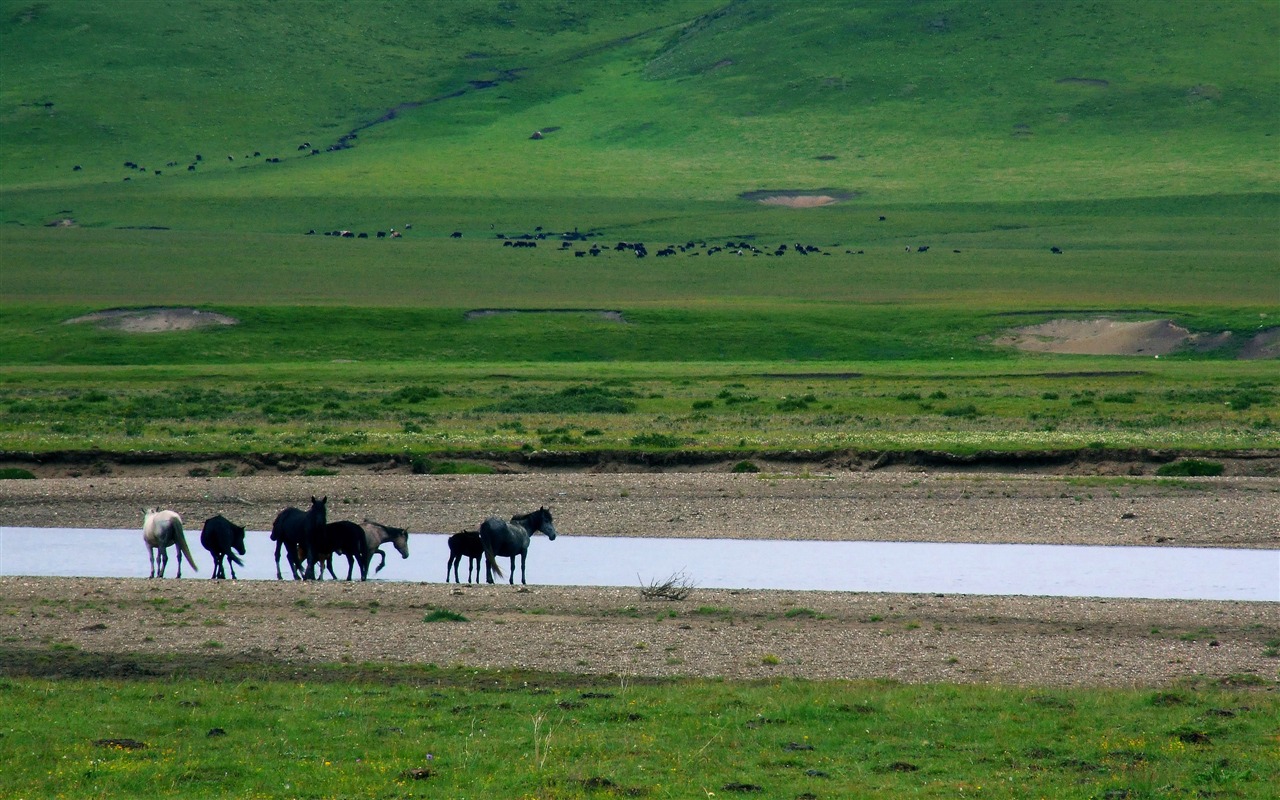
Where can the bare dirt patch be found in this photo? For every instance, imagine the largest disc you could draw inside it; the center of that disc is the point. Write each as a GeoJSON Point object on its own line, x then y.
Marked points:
{"type": "Point", "coordinates": [614, 631]}
{"type": "Point", "coordinates": [1155, 337]}
{"type": "Point", "coordinates": [154, 320]}
{"type": "Point", "coordinates": [1264, 344]}
{"type": "Point", "coordinates": [798, 198]}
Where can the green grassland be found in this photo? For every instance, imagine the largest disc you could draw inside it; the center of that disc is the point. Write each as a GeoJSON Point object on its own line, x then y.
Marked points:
{"type": "Point", "coordinates": [376, 731]}
{"type": "Point", "coordinates": [1140, 140]}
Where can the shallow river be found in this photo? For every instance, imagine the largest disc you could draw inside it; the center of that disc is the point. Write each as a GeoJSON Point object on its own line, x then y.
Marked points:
{"type": "Point", "coordinates": [989, 569]}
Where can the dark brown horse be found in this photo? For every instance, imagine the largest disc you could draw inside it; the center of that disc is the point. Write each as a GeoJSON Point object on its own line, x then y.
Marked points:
{"type": "Point", "coordinates": [468, 544]}
{"type": "Point", "coordinates": [220, 536]}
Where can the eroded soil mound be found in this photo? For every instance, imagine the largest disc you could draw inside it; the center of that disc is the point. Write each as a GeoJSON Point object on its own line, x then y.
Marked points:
{"type": "Point", "coordinates": [1107, 337]}
{"type": "Point", "coordinates": [798, 198]}
{"type": "Point", "coordinates": [154, 320]}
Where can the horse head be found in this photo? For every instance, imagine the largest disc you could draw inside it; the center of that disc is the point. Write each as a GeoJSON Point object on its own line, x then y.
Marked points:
{"type": "Point", "coordinates": [317, 510]}
{"type": "Point", "coordinates": [399, 539]}
{"type": "Point", "coordinates": [545, 523]}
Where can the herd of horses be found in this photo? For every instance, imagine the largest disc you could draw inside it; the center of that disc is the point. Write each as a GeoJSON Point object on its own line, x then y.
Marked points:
{"type": "Point", "coordinates": [309, 543]}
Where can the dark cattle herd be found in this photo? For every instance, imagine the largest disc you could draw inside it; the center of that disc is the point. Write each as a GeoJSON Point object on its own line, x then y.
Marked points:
{"type": "Point", "coordinates": [310, 542]}
{"type": "Point", "coordinates": [567, 239]}
{"type": "Point", "coordinates": [580, 244]}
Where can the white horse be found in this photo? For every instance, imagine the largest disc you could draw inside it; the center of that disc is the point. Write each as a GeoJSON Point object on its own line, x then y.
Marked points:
{"type": "Point", "coordinates": [160, 530]}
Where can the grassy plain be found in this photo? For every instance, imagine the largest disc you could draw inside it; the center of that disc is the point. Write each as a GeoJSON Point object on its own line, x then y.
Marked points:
{"type": "Point", "coordinates": [377, 731]}
{"type": "Point", "coordinates": [997, 132]}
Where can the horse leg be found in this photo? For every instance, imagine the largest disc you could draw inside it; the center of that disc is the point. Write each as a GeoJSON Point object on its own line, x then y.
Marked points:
{"type": "Point", "coordinates": [522, 557]}
{"type": "Point", "coordinates": [473, 562]}
{"type": "Point", "coordinates": [279, 544]}
{"type": "Point", "coordinates": [177, 549]}
{"type": "Point", "coordinates": [231, 564]}
{"type": "Point", "coordinates": [351, 564]}
{"type": "Point", "coordinates": [163, 560]}
{"type": "Point", "coordinates": [513, 572]}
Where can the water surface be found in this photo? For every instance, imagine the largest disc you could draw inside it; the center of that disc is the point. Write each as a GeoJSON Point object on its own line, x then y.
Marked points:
{"type": "Point", "coordinates": [988, 569]}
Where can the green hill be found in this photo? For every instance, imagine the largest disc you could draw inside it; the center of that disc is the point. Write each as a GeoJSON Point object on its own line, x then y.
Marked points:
{"type": "Point", "coordinates": [664, 100]}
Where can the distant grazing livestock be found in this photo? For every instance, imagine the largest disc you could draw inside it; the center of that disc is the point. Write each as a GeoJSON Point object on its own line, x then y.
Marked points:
{"type": "Point", "coordinates": [77, 168]}
{"type": "Point", "coordinates": [191, 168]}
{"type": "Point", "coordinates": [456, 235]}
{"type": "Point", "coordinates": [1056, 250]}
{"type": "Point", "coordinates": [922, 248]}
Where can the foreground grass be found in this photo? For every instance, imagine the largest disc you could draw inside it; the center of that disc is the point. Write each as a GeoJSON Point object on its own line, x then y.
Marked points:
{"type": "Point", "coordinates": [378, 732]}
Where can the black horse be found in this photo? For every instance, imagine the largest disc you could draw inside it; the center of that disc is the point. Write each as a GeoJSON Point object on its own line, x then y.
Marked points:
{"type": "Point", "coordinates": [293, 530]}
{"type": "Point", "coordinates": [339, 538]}
{"type": "Point", "coordinates": [220, 536]}
{"type": "Point", "coordinates": [512, 539]}
{"type": "Point", "coordinates": [464, 543]}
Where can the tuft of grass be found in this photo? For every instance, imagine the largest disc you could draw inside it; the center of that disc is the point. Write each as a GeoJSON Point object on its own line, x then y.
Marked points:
{"type": "Point", "coordinates": [443, 615]}
{"type": "Point", "coordinates": [15, 473]}
{"type": "Point", "coordinates": [1191, 467]}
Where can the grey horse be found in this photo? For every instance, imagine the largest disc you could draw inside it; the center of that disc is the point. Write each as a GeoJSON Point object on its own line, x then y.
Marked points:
{"type": "Point", "coordinates": [376, 535]}
{"type": "Point", "coordinates": [501, 538]}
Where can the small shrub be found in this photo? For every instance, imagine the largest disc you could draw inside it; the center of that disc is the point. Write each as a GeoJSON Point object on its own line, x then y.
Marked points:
{"type": "Point", "coordinates": [745, 466]}
{"type": "Point", "coordinates": [443, 615]}
{"type": "Point", "coordinates": [1191, 467]}
{"type": "Point", "coordinates": [15, 473]}
{"type": "Point", "coordinates": [770, 660]}
{"type": "Point", "coordinates": [677, 586]}
{"type": "Point", "coordinates": [412, 394]}
{"type": "Point", "coordinates": [806, 613]}
{"type": "Point", "coordinates": [655, 440]}
{"type": "Point", "coordinates": [319, 472]}
{"type": "Point", "coordinates": [796, 403]}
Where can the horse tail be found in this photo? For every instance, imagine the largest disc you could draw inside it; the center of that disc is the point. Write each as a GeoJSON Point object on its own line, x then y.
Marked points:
{"type": "Point", "coordinates": [489, 559]}
{"type": "Point", "coordinates": [182, 544]}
